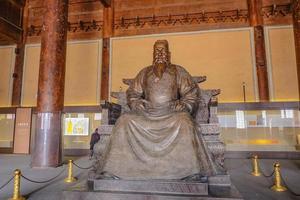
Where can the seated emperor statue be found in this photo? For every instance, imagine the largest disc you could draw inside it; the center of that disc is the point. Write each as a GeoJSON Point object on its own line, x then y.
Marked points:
{"type": "Point", "coordinates": [157, 139]}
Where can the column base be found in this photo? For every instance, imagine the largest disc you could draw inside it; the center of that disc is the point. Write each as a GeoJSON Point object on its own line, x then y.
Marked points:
{"type": "Point", "coordinates": [48, 140]}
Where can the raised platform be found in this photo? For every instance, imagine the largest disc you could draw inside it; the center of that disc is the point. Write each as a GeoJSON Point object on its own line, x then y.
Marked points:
{"type": "Point", "coordinates": [153, 187]}
{"type": "Point", "coordinates": [140, 190]}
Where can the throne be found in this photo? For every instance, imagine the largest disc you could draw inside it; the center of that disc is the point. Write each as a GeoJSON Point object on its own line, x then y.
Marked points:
{"type": "Point", "coordinates": [206, 122]}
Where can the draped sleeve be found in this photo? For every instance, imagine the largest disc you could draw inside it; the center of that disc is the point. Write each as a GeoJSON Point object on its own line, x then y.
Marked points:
{"type": "Point", "coordinates": [188, 89]}
{"type": "Point", "coordinates": [135, 91]}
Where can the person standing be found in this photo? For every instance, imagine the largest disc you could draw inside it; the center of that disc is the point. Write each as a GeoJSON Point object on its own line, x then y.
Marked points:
{"type": "Point", "coordinates": [94, 139]}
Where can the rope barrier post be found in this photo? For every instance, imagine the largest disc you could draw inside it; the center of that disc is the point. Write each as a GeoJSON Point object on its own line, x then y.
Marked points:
{"type": "Point", "coordinates": [298, 142]}
{"type": "Point", "coordinates": [70, 178]}
{"type": "Point", "coordinates": [16, 193]}
{"type": "Point", "coordinates": [255, 169]}
{"type": "Point", "coordinates": [277, 180]}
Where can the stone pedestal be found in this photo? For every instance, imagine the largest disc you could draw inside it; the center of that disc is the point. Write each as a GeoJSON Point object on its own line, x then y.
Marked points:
{"type": "Point", "coordinates": [146, 190]}
{"type": "Point", "coordinates": [153, 187]}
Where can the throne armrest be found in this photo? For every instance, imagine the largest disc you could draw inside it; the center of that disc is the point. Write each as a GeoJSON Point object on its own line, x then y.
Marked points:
{"type": "Point", "coordinates": [110, 112]}
{"type": "Point", "coordinates": [207, 111]}
{"type": "Point", "coordinates": [199, 79]}
{"type": "Point", "coordinates": [128, 81]}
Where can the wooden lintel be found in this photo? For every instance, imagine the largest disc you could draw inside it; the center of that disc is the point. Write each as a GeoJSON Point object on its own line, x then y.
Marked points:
{"type": "Point", "coordinates": [106, 3]}
{"type": "Point", "coordinates": [19, 3]}
{"type": "Point", "coordinates": [10, 30]}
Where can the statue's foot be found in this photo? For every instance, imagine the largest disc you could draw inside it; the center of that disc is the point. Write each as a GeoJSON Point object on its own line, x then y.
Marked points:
{"type": "Point", "coordinates": [106, 175]}
{"type": "Point", "coordinates": [196, 177]}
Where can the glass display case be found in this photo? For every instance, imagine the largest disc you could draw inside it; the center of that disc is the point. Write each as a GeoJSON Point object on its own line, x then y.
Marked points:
{"type": "Point", "coordinates": [77, 129]}
{"type": "Point", "coordinates": [241, 130]}
{"type": "Point", "coordinates": [260, 130]}
{"type": "Point", "coordinates": [7, 122]}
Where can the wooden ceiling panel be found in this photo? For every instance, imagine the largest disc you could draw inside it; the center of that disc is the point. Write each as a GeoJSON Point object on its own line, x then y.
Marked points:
{"type": "Point", "coordinates": [275, 2]}
{"type": "Point", "coordinates": [4, 40]}
{"type": "Point", "coordinates": [277, 12]}
{"type": "Point", "coordinates": [11, 12]}
{"type": "Point", "coordinates": [39, 3]}
{"type": "Point", "coordinates": [159, 16]}
{"type": "Point", "coordinates": [207, 4]}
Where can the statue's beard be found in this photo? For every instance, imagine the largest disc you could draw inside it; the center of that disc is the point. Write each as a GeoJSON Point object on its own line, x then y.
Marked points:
{"type": "Point", "coordinates": [159, 68]}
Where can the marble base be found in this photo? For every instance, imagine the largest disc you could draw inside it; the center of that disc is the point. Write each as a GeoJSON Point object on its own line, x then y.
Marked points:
{"type": "Point", "coordinates": [147, 190]}
{"type": "Point", "coordinates": [150, 186]}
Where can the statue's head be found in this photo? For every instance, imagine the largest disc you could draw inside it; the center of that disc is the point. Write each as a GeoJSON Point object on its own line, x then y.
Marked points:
{"type": "Point", "coordinates": [161, 57]}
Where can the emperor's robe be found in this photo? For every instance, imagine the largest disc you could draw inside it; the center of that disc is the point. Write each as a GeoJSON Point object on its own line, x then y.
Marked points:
{"type": "Point", "coordinates": [161, 141]}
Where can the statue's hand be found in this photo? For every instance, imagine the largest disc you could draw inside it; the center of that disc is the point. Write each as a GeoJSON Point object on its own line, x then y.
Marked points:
{"type": "Point", "coordinates": [179, 106]}
{"type": "Point", "coordinates": [138, 105]}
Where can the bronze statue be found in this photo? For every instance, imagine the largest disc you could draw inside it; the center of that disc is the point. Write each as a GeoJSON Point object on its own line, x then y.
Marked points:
{"type": "Point", "coordinates": [157, 139]}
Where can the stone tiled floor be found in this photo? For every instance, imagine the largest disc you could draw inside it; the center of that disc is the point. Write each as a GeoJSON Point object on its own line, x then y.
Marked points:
{"type": "Point", "coordinates": [252, 188]}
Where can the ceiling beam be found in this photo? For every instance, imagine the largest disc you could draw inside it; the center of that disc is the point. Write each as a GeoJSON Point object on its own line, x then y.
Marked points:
{"type": "Point", "coordinates": [106, 3]}
{"type": "Point", "coordinates": [10, 30]}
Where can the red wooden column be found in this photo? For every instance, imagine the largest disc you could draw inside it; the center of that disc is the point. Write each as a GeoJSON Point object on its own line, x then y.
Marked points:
{"type": "Point", "coordinates": [296, 23]}
{"type": "Point", "coordinates": [19, 61]}
{"type": "Point", "coordinates": [108, 23]}
{"type": "Point", "coordinates": [256, 21]}
{"type": "Point", "coordinates": [50, 100]}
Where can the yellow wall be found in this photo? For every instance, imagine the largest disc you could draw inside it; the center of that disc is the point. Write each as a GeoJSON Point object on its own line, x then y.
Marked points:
{"type": "Point", "coordinates": [225, 57]}
{"type": "Point", "coordinates": [82, 82]}
{"type": "Point", "coordinates": [282, 63]}
{"type": "Point", "coordinates": [6, 69]}
{"type": "Point", "coordinates": [30, 75]}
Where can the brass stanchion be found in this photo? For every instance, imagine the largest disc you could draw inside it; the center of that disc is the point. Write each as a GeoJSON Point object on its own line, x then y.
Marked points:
{"type": "Point", "coordinates": [70, 178]}
{"type": "Point", "coordinates": [255, 169]}
{"type": "Point", "coordinates": [16, 193]}
{"type": "Point", "coordinates": [298, 142]}
{"type": "Point", "coordinates": [277, 185]}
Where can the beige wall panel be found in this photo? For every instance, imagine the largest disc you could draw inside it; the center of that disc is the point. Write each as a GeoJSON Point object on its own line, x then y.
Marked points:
{"type": "Point", "coordinates": [6, 69]}
{"type": "Point", "coordinates": [283, 62]}
{"type": "Point", "coordinates": [225, 57]}
{"type": "Point", "coordinates": [30, 76]}
{"type": "Point", "coordinates": [82, 73]}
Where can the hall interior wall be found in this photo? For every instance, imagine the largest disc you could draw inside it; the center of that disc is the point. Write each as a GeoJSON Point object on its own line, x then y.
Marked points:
{"type": "Point", "coordinates": [281, 60]}
{"type": "Point", "coordinates": [82, 82]}
{"type": "Point", "coordinates": [224, 56]}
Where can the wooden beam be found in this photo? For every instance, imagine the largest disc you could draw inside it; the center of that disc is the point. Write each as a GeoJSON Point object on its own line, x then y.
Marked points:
{"type": "Point", "coordinates": [254, 7]}
{"type": "Point", "coordinates": [296, 26]}
{"type": "Point", "coordinates": [20, 3]}
{"type": "Point", "coordinates": [106, 3]}
{"type": "Point", "coordinates": [108, 32]}
{"type": "Point", "coordinates": [4, 40]}
{"type": "Point", "coordinates": [256, 21]}
{"type": "Point", "coordinates": [50, 99]}
{"type": "Point", "coordinates": [10, 19]}
{"type": "Point", "coordinates": [10, 30]}
{"type": "Point", "coordinates": [19, 62]}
